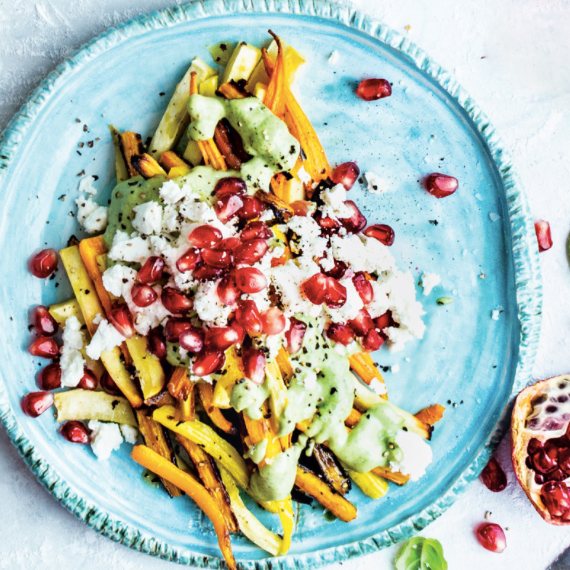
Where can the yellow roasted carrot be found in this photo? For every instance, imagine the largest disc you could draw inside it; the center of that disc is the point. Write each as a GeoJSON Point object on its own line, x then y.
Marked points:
{"type": "Point", "coordinates": [182, 388]}
{"type": "Point", "coordinates": [170, 159]}
{"type": "Point", "coordinates": [206, 392]}
{"type": "Point", "coordinates": [146, 165]}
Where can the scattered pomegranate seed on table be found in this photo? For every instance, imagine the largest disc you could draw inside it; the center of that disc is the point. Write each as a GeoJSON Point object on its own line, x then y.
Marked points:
{"type": "Point", "coordinates": [441, 185]}
{"type": "Point", "coordinates": [543, 235]}
{"type": "Point", "coordinates": [493, 476]}
{"type": "Point", "coordinates": [44, 263]}
{"type": "Point", "coordinates": [492, 537]}
{"type": "Point", "coordinates": [374, 89]}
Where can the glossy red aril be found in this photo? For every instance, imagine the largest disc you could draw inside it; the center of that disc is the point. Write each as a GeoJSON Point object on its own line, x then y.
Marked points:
{"type": "Point", "coordinates": [175, 301]}
{"type": "Point", "coordinates": [250, 280]}
{"type": "Point", "coordinates": [227, 290]}
{"type": "Point", "coordinates": [302, 207]}
{"type": "Point", "coordinates": [220, 258]}
{"type": "Point", "coordinates": [273, 321]}
{"type": "Point", "coordinates": [192, 340]}
{"type": "Point", "coordinates": [253, 361]}
{"type": "Point", "coordinates": [44, 263]}
{"type": "Point", "coordinates": [374, 89]}
{"type": "Point", "coordinates": [229, 186]}
{"type": "Point", "coordinates": [315, 288]}
{"type": "Point", "coordinates": [35, 404]}
{"type": "Point", "coordinates": [543, 462]}
{"type": "Point", "coordinates": [328, 225]}
{"type": "Point", "coordinates": [259, 230]}
{"type": "Point", "coordinates": [441, 185]}
{"type": "Point", "coordinates": [342, 334]}
{"type": "Point", "coordinates": [382, 232]}
{"type": "Point", "coordinates": [250, 251]}
{"type": "Point", "coordinates": [109, 385]}
{"type": "Point", "coordinates": [75, 432]}
{"type": "Point", "coordinates": [228, 244]}
{"type": "Point", "coordinates": [157, 344]}
{"type": "Point", "coordinates": [143, 295]}
{"type": "Point", "coordinates": [189, 260]}
{"type": "Point", "coordinates": [120, 317]}
{"type": "Point", "coordinates": [491, 537]}
{"type": "Point", "coordinates": [207, 273]}
{"type": "Point", "coordinates": [208, 361]}
{"type": "Point", "coordinates": [252, 208]}
{"type": "Point", "coordinates": [346, 174]}
{"type": "Point", "coordinates": [238, 328]}
{"type": "Point", "coordinates": [564, 460]}
{"type": "Point", "coordinates": [44, 347]}
{"type": "Point", "coordinates": [294, 335]}
{"type": "Point", "coordinates": [88, 380]}
{"type": "Point", "coordinates": [362, 323]}
{"type": "Point", "coordinates": [44, 323]}
{"type": "Point", "coordinates": [543, 235]}
{"type": "Point", "coordinates": [357, 222]}
{"type": "Point", "coordinates": [221, 338]}
{"type": "Point", "coordinates": [228, 206]}
{"type": "Point", "coordinates": [364, 287]}
{"type": "Point", "coordinates": [372, 341]}
{"type": "Point", "coordinates": [338, 270]}
{"type": "Point", "coordinates": [151, 270]}
{"type": "Point", "coordinates": [205, 236]}
{"type": "Point", "coordinates": [493, 476]}
{"type": "Point", "coordinates": [247, 315]}
{"type": "Point", "coordinates": [384, 321]}
{"type": "Point", "coordinates": [534, 445]}
{"type": "Point", "coordinates": [175, 326]}
{"type": "Point", "coordinates": [49, 377]}
{"type": "Point", "coordinates": [335, 296]}
{"type": "Point", "coordinates": [556, 498]}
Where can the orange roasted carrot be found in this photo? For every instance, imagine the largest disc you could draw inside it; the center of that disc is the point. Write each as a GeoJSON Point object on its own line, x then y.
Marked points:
{"type": "Point", "coordinates": [431, 415]}
{"type": "Point", "coordinates": [353, 418]}
{"type": "Point", "coordinates": [197, 492]}
{"type": "Point", "coordinates": [274, 98]}
{"type": "Point", "coordinates": [206, 392]}
{"type": "Point", "coordinates": [90, 249]}
{"type": "Point", "coordinates": [364, 366]}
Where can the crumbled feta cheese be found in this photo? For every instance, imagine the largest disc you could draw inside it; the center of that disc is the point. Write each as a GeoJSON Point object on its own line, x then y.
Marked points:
{"type": "Point", "coordinates": [97, 319]}
{"type": "Point", "coordinates": [130, 249]}
{"type": "Point", "coordinates": [148, 218]}
{"type": "Point", "coordinates": [377, 387]}
{"type": "Point", "coordinates": [97, 220]}
{"type": "Point", "coordinates": [352, 305]}
{"type": "Point", "coordinates": [105, 338]}
{"type": "Point", "coordinates": [333, 57]}
{"type": "Point", "coordinates": [381, 301]}
{"type": "Point", "coordinates": [395, 368]}
{"type": "Point", "coordinates": [171, 193]}
{"type": "Point", "coordinates": [116, 278]}
{"type": "Point", "coordinates": [287, 280]}
{"type": "Point", "coordinates": [72, 361]}
{"type": "Point", "coordinates": [376, 185]}
{"type": "Point", "coordinates": [417, 455]}
{"type": "Point", "coordinates": [130, 433]}
{"type": "Point", "coordinates": [309, 244]}
{"type": "Point", "coordinates": [86, 185]}
{"type": "Point", "coordinates": [327, 262]}
{"type": "Point", "coordinates": [362, 254]}
{"type": "Point", "coordinates": [429, 281]}
{"type": "Point", "coordinates": [334, 206]}
{"type": "Point", "coordinates": [307, 378]}
{"type": "Point", "coordinates": [105, 438]}
{"type": "Point", "coordinates": [495, 315]}
{"type": "Point", "coordinates": [303, 175]}
{"type": "Point", "coordinates": [208, 306]}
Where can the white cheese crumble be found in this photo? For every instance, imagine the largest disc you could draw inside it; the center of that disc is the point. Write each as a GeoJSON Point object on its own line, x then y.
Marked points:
{"type": "Point", "coordinates": [334, 206]}
{"type": "Point", "coordinates": [117, 277]}
{"type": "Point", "coordinates": [91, 216]}
{"type": "Point", "coordinates": [105, 338]}
{"type": "Point", "coordinates": [495, 314]}
{"type": "Point", "coordinates": [376, 184]}
{"type": "Point", "coordinates": [208, 306]}
{"type": "Point", "coordinates": [132, 249]}
{"type": "Point", "coordinates": [97, 318]}
{"type": "Point", "coordinates": [303, 175]}
{"type": "Point", "coordinates": [148, 218]}
{"type": "Point", "coordinates": [377, 386]}
{"type": "Point", "coordinates": [105, 438]}
{"type": "Point", "coordinates": [417, 455]}
{"type": "Point", "coordinates": [86, 185]}
{"type": "Point", "coordinates": [351, 307]}
{"type": "Point", "coordinates": [362, 254]}
{"type": "Point", "coordinates": [72, 361]}
{"type": "Point", "coordinates": [171, 193]}
{"type": "Point", "coordinates": [395, 368]}
{"type": "Point", "coordinates": [309, 244]}
{"type": "Point", "coordinates": [429, 281]}
{"type": "Point", "coordinates": [130, 433]}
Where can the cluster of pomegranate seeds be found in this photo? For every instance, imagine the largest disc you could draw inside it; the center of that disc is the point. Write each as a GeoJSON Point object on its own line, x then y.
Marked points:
{"type": "Point", "coordinates": [374, 89]}
{"type": "Point", "coordinates": [44, 263]}
{"type": "Point", "coordinates": [491, 537]}
{"type": "Point", "coordinates": [49, 377]}
{"type": "Point", "coordinates": [556, 499]}
{"type": "Point", "coordinates": [493, 476]}
{"type": "Point", "coordinates": [122, 319]}
{"type": "Point", "coordinates": [346, 174]}
{"type": "Point", "coordinates": [543, 235]}
{"type": "Point", "coordinates": [441, 185]}
{"type": "Point", "coordinates": [75, 432]}
{"type": "Point", "coordinates": [382, 232]}
{"type": "Point", "coordinates": [44, 347]}
{"type": "Point", "coordinates": [35, 404]}
{"type": "Point", "coordinates": [321, 288]}
{"type": "Point", "coordinates": [44, 323]}
{"type": "Point", "coordinates": [108, 384]}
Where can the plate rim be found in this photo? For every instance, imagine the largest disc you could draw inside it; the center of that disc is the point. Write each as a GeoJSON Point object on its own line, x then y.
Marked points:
{"type": "Point", "coordinates": [527, 274]}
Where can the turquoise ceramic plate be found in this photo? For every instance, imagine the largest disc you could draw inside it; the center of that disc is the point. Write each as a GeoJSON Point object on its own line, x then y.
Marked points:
{"type": "Point", "coordinates": [483, 246]}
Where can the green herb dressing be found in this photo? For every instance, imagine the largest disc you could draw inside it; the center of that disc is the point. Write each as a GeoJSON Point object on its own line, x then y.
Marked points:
{"type": "Point", "coordinates": [257, 452]}
{"type": "Point", "coordinates": [248, 397]}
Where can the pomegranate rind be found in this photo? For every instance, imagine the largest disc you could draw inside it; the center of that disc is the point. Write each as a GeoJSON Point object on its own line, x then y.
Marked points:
{"type": "Point", "coordinates": [520, 436]}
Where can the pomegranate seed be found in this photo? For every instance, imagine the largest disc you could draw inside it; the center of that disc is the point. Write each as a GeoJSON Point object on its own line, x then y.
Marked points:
{"type": "Point", "coordinates": [230, 186]}
{"type": "Point", "coordinates": [302, 207]}
{"type": "Point", "coordinates": [564, 460]}
{"type": "Point", "coordinates": [151, 271]}
{"type": "Point", "coordinates": [227, 290]}
{"type": "Point", "coordinates": [362, 323]}
{"type": "Point", "coordinates": [335, 296]}
{"type": "Point", "coordinates": [357, 222]}
{"type": "Point", "coordinates": [109, 385]}
{"type": "Point", "coordinates": [342, 334]}
{"type": "Point", "coordinates": [543, 462]}
{"type": "Point", "coordinates": [294, 335]}
{"type": "Point", "coordinates": [556, 498]}
{"type": "Point", "coordinates": [251, 251]}
{"type": "Point", "coordinates": [346, 174]}
{"type": "Point", "coordinates": [35, 404]}
{"type": "Point", "coordinates": [205, 236]}
{"type": "Point", "coordinates": [44, 347]}
{"type": "Point", "coordinates": [156, 344]}
{"type": "Point", "coordinates": [382, 232]}
{"type": "Point", "coordinates": [374, 89]}
{"type": "Point", "coordinates": [248, 317]}
{"type": "Point", "coordinates": [88, 380]}
{"type": "Point", "coordinates": [338, 271]}
{"type": "Point", "coordinates": [75, 432]}
{"type": "Point", "coordinates": [315, 288]}
{"type": "Point", "coordinates": [364, 287]}
{"type": "Point", "coordinates": [239, 330]}
{"type": "Point", "coordinates": [493, 476]}
{"type": "Point", "coordinates": [328, 225]}
{"type": "Point", "coordinates": [50, 377]}
{"type": "Point", "coordinates": [207, 273]}
{"type": "Point", "coordinates": [175, 301]}
{"type": "Point", "coordinates": [273, 321]}
{"type": "Point", "coordinates": [192, 340]}
{"type": "Point", "coordinates": [208, 361]}
{"type": "Point", "coordinates": [143, 295]}
{"type": "Point", "coordinates": [44, 263]}
{"type": "Point", "coordinates": [250, 280]}
{"type": "Point", "coordinates": [255, 230]}
{"type": "Point", "coordinates": [228, 244]}
{"type": "Point", "coordinates": [372, 341]}
{"type": "Point", "coordinates": [120, 317]}
{"type": "Point", "coordinates": [252, 208]}
{"type": "Point", "coordinates": [175, 326]}
{"type": "Point", "coordinates": [384, 321]}
{"type": "Point", "coordinates": [227, 207]}
{"type": "Point", "coordinates": [44, 323]}
{"type": "Point", "coordinates": [533, 446]}
{"type": "Point", "coordinates": [221, 259]}
{"type": "Point", "coordinates": [253, 361]}
{"type": "Point", "coordinates": [543, 235]}
{"type": "Point", "coordinates": [189, 260]}
{"type": "Point", "coordinates": [441, 185]}
{"type": "Point", "coordinates": [492, 537]}
{"type": "Point", "coordinates": [221, 338]}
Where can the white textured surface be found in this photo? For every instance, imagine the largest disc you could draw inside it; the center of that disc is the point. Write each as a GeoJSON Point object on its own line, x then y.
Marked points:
{"type": "Point", "coordinates": [512, 57]}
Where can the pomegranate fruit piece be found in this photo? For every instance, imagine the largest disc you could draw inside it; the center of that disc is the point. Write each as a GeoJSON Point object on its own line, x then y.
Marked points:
{"type": "Point", "coordinates": [205, 236]}
{"type": "Point", "coordinates": [441, 185]}
{"type": "Point", "coordinates": [143, 295]}
{"type": "Point", "coordinates": [382, 232]}
{"type": "Point", "coordinates": [120, 317]}
{"type": "Point", "coordinates": [227, 290]}
{"type": "Point", "coordinates": [220, 258]}
{"type": "Point", "coordinates": [248, 317]}
{"type": "Point", "coordinates": [250, 251]}
{"type": "Point", "coordinates": [175, 326]}
{"type": "Point", "coordinates": [294, 335]}
{"type": "Point", "coordinates": [228, 206]}
{"type": "Point", "coordinates": [192, 340]}
{"type": "Point", "coordinates": [44, 347]}
{"type": "Point", "coordinates": [250, 280]}
{"type": "Point", "coordinates": [88, 380]}
{"type": "Point", "coordinates": [374, 89]}
{"type": "Point", "coordinates": [230, 186]}
{"type": "Point", "coordinates": [357, 222]}
{"type": "Point", "coordinates": [238, 328]}
{"type": "Point", "coordinates": [335, 296]}
{"type": "Point", "coordinates": [44, 263]}
{"type": "Point", "coordinates": [253, 361]}
{"type": "Point", "coordinates": [556, 498]}
{"type": "Point", "coordinates": [491, 537]}
{"type": "Point", "coordinates": [253, 230]}
{"type": "Point", "coordinates": [533, 446]}
{"type": "Point", "coordinates": [44, 323]}
{"type": "Point", "coordinates": [542, 462]}
{"type": "Point", "coordinates": [75, 432]}
{"type": "Point", "coordinates": [338, 271]}
{"type": "Point", "coordinates": [564, 461]}
{"type": "Point", "coordinates": [189, 260]}
{"type": "Point", "coordinates": [109, 385]}
{"type": "Point", "coordinates": [543, 235]}
{"type": "Point", "coordinates": [372, 341]}
{"type": "Point", "coordinates": [315, 288]}
{"type": "Point", "coordinates": [273, 321]}
{"type": "Point", "coordinates": [342, 334]}
{"type": "Point", "coordinates": [221, 338]}
{"type": "Point", "coordinates": [346, 174]}
{"type": "Point", "coordinates": [493, 476]}
{"type": "Point", "coordinates": [151, 270]}
{"type": "Point", "coordinates": [157, 344]}
{"type": "Point", "coordinates": [364, 287]}
{"type": "Point", "coordinates": [207, 273]}
{"type": "Point", "coordinates": [208, 361]}
{"type": "Point", "coordinates": [49, 377]}
{"type": "Point", "coordinates": [362, 323]}
{"type": "Point", "coordinates": [35, 404]}
{"type": "Point", "coordinates": [175, 301]}
{"type": "Point", "coordinates": [252, 208]}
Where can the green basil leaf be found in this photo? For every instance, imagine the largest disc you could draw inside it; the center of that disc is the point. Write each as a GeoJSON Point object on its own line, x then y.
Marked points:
{"type": "Point", "coordinates": [421, 554]}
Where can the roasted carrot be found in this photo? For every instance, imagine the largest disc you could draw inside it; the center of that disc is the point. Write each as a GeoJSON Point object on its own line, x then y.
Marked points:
{"type": "Point", "coordinates": [364, 366]}
{"type": "Point", "coordinates": [431, 415]}
{"type": "Point", "coordinates": [284, 364]}
{"type": "Point", "coordinates": [393, 476]}
{"type": "Point", "coordinates": [170, 159]}
{"type": "Point", "coordinates": [206, 393]}
{"type": "Point", "coordinates": [146, 165]}
{"type": "Point", "coordinates": [274, 98]}
{"type": "Point", "coordinates": [353, 418]}
{"type": "Point", "coordinates": [90, 249]}
{"type": "Point", "coordinates": [131, 145]}
{"type": "Point", "coordinates": [181, 388]}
